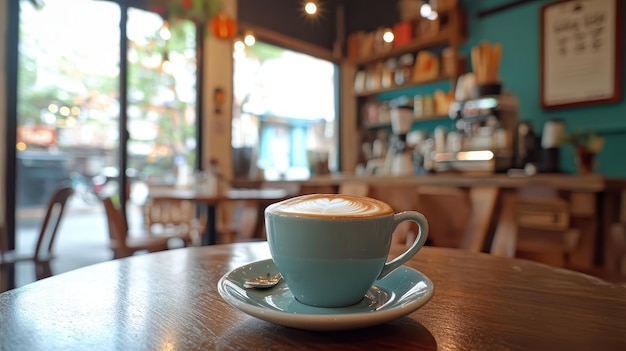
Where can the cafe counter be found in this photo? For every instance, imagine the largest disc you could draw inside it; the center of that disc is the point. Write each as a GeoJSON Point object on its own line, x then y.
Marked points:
{"type": "Point", "coordinates": [480, 212]}
{"type": "Point", "coordinates": [585, 183]}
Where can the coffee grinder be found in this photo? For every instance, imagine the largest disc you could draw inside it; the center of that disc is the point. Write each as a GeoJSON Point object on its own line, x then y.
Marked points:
{"type": "Point", "coordinates": [400, 154]}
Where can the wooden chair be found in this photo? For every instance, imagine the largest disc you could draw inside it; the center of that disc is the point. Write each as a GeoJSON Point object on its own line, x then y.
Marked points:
{"type": "Point", "coordinates": [535, 224]}
{"type": "Point", "coordinates": [400, 198]}
{"type": "Point", "coordinates": [242, 221]}
{"type": "Point", "coordinates": [618, 246]}
{"type": "Point", "coordinates": [42, 256]}
{"type": "Point", "coordinates": [615, 253]}
{"type": "Point", "coordinates": [239, 221]}
{"type": "Point", "coordinates": [355, 188]}
{"type": "Point", "coordinates": [121, 243]}
{"type": "Point", "coordinates": [174, 219]}
{"type": "Point", "coordinates": [448, 210]}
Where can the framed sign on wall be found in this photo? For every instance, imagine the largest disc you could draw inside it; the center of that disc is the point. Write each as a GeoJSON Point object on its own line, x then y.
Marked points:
{"type": "Point", "coordinates": [581, 52]}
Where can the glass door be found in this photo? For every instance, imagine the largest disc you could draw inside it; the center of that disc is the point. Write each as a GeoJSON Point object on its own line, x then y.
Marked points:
{"type": "Point", "coordinates": [162, 121]}
{"type": "Point", "coordinates": [71, 89]}
{"type": "Point", "coordinates": [67, 121]}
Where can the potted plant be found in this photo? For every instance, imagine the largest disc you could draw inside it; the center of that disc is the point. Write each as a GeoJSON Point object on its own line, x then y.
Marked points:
{"type": "Point", "coordinates": [587, 144]}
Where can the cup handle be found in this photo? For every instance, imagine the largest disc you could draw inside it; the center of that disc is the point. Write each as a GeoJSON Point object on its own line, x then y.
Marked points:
{"type": "Point", "coordinates": [419, 242]}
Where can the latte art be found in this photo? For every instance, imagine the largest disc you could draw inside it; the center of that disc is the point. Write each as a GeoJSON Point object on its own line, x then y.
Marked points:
{"type": "Point", "coordinates": [331, 205]}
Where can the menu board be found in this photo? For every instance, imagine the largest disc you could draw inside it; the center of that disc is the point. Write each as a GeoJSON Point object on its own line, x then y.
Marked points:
{"type": "Point", "coordinates": [581, 52]}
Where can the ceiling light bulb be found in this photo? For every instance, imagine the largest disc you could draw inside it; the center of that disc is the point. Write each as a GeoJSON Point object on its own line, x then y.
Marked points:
{"type": "Point", "coordinates": [249, 39]}
{"type": "Point", "coordinates": [425, 10]}
{"type": "Point", "coordinates": [388, 36]}
{"type": "Point", "coordinates": [164, 32]}
{"type": "Point", "coordinates": [433, 15]}
{"type": "Point", "coordinates": [239, 45]}
{"type": "Point", "coordinates": [310, 7]}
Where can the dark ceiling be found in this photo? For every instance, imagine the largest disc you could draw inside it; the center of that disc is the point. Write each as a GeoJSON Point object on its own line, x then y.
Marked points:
{"type": "Point", "coordinates": [287, 17]}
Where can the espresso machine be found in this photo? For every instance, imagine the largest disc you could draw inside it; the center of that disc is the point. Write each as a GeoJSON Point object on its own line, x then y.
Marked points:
{"type": "Point", "coordinates": [484, 136]}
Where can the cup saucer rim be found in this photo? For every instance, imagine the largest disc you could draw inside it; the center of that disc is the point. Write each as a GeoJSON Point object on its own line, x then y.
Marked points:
{"type": "Point", "coordinates": [406, 289]}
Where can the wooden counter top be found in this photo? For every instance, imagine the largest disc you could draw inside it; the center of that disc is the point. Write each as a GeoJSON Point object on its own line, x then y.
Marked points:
{"type": "Point", "coordinates": [470, 216]}
{"type": "Point", "coordinates": [570, 182]}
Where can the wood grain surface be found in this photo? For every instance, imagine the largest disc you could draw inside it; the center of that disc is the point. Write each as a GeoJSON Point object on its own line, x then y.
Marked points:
{"type": "Point", "coordinates": [169, 301]}
{"type": "Point", "coordinates": [566, 182]}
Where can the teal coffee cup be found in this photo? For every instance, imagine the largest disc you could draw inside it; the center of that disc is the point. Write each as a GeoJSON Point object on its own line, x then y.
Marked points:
{"type": "Point", "coordinates": [331, 248]}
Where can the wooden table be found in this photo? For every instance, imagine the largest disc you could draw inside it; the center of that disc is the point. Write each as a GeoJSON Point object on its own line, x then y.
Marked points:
{"type": "Point", "coordinates": [211, 201]}
{"type": "Point", "coordinates": [169, 300]}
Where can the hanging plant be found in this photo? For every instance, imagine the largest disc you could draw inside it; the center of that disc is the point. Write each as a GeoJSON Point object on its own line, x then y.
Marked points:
{"type": "Point", "coordinates": [203, 12]}
{"type": "Point", "coordinates": [223, 26]}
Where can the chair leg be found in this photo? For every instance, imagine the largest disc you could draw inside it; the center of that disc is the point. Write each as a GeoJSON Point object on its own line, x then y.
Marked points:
{"type": "Point", "coordinates": [43, 270]}
{"type": "Point", "coordinates": [120, 254]}
{"type": "Point", "coordinates": [504, 242]}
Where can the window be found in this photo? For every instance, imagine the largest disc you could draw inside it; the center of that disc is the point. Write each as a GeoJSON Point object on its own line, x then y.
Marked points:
{"type": "Point", "coordinates": [70, 111]}
{"type": "Point", "coordinates": [284, 113]}
{"type": "Point", "coordinates": [69, 99]}
{"type": "Point", "coordinates": [162, 121]}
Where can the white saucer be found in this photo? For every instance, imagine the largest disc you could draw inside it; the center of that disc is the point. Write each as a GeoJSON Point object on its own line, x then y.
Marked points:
{"type": "Point", "coordinates": [400, 293]}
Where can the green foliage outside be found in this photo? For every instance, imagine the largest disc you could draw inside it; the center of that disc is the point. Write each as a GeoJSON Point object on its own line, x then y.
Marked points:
{"type": "Point", "coordinates": [98, 99]}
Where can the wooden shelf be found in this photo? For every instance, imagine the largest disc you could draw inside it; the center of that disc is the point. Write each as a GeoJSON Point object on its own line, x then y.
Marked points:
{"type": "Point", "coordinates": [401, 87]}
{"type": "Point", "coordinates": [442, 38]}
{"type": "Point", "coordinates": [451, 33]}
{"type": "Point", "coordinates": [388, 125]}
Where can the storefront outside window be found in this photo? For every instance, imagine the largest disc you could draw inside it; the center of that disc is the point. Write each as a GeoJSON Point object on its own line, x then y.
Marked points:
{"type": "Point", "coordinates": [284, 114]}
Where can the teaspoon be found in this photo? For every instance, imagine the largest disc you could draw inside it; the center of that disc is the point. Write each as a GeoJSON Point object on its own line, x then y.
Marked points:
{"type": "Point", "coordinates": [266, 281]}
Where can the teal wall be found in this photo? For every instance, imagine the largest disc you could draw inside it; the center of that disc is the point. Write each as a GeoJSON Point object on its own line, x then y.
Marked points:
{"type": "Point", "coordinates": [518, 30]}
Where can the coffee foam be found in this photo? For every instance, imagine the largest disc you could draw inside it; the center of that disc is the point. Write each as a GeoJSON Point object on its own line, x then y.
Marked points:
{"type": "Point", "coordinates": [331, 205]}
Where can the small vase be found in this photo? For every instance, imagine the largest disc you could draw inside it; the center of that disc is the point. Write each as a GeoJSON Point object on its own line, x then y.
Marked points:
{"type": "Point", "coordinates": [585, 160]}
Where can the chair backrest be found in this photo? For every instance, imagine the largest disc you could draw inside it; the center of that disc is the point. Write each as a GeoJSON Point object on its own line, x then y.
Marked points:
{"type": "Point", "coordinates": [51, 222]}
{"type": "Point", "coordinates": [167, 212]}
{"type": "Point", "coordinates": [3, 240]}
{"type": "Point", "coordinates": [622, 208]}
{"type": "Point", "coordinates": [399, 199]}
{"type": "Point", "coordinates": [534, 223]}
{"type": "Point", "coordinates": [116, 222]}
{"type": "Point", "coordinates": [449, 213]}
{"type": "Point", "coordinates": [356, 188]}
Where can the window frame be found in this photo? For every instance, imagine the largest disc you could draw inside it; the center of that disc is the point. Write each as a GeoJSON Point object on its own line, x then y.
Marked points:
{"type": "Point", "coordinates": [299, 46]}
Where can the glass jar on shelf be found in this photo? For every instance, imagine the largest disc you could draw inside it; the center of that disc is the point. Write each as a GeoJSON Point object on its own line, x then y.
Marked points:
{"type": "Point", "coordinates": [404, 68]}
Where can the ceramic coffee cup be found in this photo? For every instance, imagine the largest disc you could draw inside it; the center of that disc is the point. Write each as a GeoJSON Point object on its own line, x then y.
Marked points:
{"type": "Point", "coordinates": [331, 248]}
